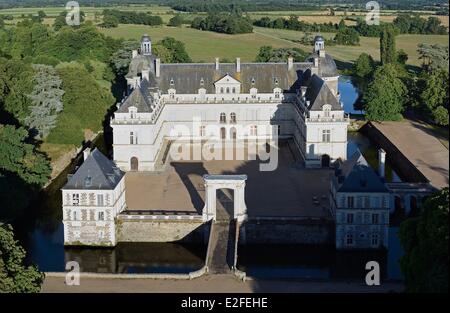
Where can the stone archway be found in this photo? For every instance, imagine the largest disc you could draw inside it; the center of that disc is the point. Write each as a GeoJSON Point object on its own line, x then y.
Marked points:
{"type": "Point", "coordinates": [216, 182]}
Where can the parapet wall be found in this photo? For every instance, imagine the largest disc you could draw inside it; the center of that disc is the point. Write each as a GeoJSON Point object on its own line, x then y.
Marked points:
{"type": "Point", "coordinates": [280, 231]}
{"type": "Point", "coordinates": [147, 230]}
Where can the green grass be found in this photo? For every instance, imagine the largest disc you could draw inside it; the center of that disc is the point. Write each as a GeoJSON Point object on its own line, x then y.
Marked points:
{"type": "Point", "coordinates": [203, 45]}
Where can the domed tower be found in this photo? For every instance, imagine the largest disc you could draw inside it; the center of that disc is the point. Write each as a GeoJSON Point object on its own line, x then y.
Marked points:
{"type": "Point", "coordinates": [319, 45]}
{"type": "Point", "coordinates": [146, 45]}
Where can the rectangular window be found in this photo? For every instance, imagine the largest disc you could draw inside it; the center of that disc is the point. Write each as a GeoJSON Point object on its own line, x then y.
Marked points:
{"type": "Point", "coordinates": [349, 239]}
{"type": "Point", "coordinates": [202, 131]}
{"type": "Point", "coordinates": [99, 200]}
{"type": "Point", "coordinates": [75, 199]}
{"type": "Point", "coordinates": [253, 130]}
{"type": "Point", "coordinates": [75, 215]}
{"type": "Point", "coordinates": [350, 218]}
{"type": "Point", "coordinates": [375, 218]}
{"type": "Point", "coordinates": [101, 216]}
{"type": "Point", "coordinates": [350, 202]}
{"type": "Point", "coordinates": [375, 240]}
{"type": "Point", "coordinates": [326, 135]}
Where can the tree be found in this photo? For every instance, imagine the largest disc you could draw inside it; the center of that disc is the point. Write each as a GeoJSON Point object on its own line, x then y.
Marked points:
{"type": "Point", "coordinates": [346, 36]}
{"type": "Point", "coordinates": [364, 65]}
{"type": "Point", "coordinates": [425, 241]}
{"type": "Point", "coordinates": [387, 46]}
{"type": "Point", "coordinates": [46, 101]}
{"type": "Point", "coordinates": [110, 21]}
{"type": "Point", "coordinates": [384, 99]}
{"type": "Point", "coordinates": [176, 49]}
{"type": "Point", "coordinates": [433, 57]}
{"type": "Point", "coordinates": [120, 60]}
{"type": "Point", "coordinates": [435, 95]}
{"type": "Point", "coordinates": [176, 21]}
{"type": "Point", "coordinates": [19, 157]}
{"type": "Point", "coordinates": [15, 276]}
{"type": "Point", "coordinates": [268, 54]}
{"type": "Point", "coordinates": [402, 57]}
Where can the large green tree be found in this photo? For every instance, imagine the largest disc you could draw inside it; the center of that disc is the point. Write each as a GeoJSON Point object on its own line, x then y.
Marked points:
{"type": "Point", "coordinates": [435, 95]}
{"type": "Point", "coordinates": [15, 276]}
{"type": "Point", "coordinates": [269, 54]}
{"type": "Point", "coordinates": [387, 46]}
{"type": "Point", "coordinates": [21, 158]}
{"type": "Point", "coordinates": [425, 241]}
{"type": "Point", "coordinates": [364, 66]}
{"type": "Point", "coordinates": [384, 99]}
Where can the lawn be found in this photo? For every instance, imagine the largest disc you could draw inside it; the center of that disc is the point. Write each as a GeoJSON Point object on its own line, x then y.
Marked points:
{"type": "Point", "coordinates": [205, 46]}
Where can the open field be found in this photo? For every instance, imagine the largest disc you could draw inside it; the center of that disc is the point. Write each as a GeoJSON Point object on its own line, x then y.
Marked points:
{"type": "Point", "coordinates": [205, 46]}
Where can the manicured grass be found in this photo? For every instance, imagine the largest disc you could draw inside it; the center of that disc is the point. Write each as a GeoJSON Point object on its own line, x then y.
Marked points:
{"type": "Point", "coordinates": [202, 45]}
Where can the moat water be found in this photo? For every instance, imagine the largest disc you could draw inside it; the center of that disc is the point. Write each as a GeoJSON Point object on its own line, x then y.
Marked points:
{"type": "Point", "coordinates": [43, 239]}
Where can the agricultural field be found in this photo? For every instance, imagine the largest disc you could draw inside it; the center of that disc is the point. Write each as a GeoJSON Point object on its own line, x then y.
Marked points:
{"type": "Point", "coordinates": [204, 46]}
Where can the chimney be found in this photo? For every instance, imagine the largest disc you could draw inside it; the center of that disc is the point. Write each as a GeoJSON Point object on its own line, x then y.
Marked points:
{"type": "Point", "coordinates": [146, 74]}
{"type": "Point", "coordinates": [217, 64]}
{"type": "Point", "coordinates": [134, 54]}
{"type": "Point", "coordinates": [238, 65]}
{"type": "Point", "coordinates": [322, 53]}
{"type": "Point", "coordinates": [290, 63]}
{"type": "Point", "coordinates": [382, 162]}
{"type": "Point", "coordinates": [316, 62]}
{"type": "Point", "coordinates": [303, 90]}
{"type": "Point", "coordinates": [86, 153]}
{"type": "Point", "coordinates": [158, 67]}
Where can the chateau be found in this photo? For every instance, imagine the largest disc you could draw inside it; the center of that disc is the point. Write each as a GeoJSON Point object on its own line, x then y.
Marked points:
{"type": "Point", "coordinates": [267, 100]}
{"type": "Point", "coordinates": [303, 201]}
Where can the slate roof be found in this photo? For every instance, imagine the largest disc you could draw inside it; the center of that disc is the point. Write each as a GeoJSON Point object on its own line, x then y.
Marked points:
{"type": "Point", "coordinates": [139, 98]}
{"type": "Point", "coordinates": [96, 173]}
{"type": "Point", "coordinates": [265, 77]}
{"type": "Point", "coordinates": [318, 93]}
{"type": "Point", "coordinates": [359, 176]}
{"type": "Point", "coordinates": [327, 66]}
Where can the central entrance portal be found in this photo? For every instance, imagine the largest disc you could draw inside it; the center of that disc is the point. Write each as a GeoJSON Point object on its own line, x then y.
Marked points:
{"type": "Point", "coordinates": [229, 190]}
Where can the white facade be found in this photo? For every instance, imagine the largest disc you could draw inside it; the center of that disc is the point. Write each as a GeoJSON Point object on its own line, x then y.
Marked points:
{"type": "Point", "coordinates": [89, 215]}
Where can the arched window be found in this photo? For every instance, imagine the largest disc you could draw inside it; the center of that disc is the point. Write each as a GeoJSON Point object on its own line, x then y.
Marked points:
{"type": "Point", "coordinates": [228, 89]}
{"type": "Point", "coordinates": [326, 111]}
{"type": "Point", "coordinates": [234, 90]}
{"type": "Point", "coordinates": [223, 117]}
{"type": "Point", "coordinates": [233, 117]}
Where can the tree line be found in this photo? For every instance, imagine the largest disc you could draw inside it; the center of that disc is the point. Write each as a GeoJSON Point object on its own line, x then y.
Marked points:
{"type": "Point", "coordinates": [112, 18]}
{"type": "Point", "coordinates": [227, 23]}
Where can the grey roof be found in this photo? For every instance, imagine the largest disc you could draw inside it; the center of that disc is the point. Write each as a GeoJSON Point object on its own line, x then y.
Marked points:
{"type": "Point", "coordinates": [139, 63]}
{"type": "Point", "coordinates": [188, 78]}
{"type": "Point", "coordinates": [319, 94]}
{"type": "Point", "coordinates": [359, 176]}
{"type": "Point", "coordinates": [145, 38]}
{"type": "Point", "coordinates": [319, 37]}
{"type": "Point", "coordinates": [139, 98]}
{"type": "Point", "coordinates": [96, 173]}
{"type": "Point", "coordinates": [327, 66]}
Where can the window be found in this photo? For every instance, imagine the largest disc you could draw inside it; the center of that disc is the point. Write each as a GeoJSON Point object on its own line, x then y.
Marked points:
{"type": "Point", "coordinates": [74, 215]}
{"type": "Point", "coordinates": [228, 89]}
{"type": "Point", "coordinates": [133, 138]}
{"type": "Point", "coordinates": [221, 90]}
{"type": "Point", "coordinates": [234, 90]}
{"type": "Point", "coordinates": [350, 202]}
{"type": "Point", "coordinates": [277, 95]}
{"type": "Point", "coordinates": [326, 135]}
{"type": "Point", "coordinates": [253, 130]}
{"type": "Point", "coordinates": [375, 218]}
{"type": "Point", "coordinates": [99, 200]}
{"type": "Point", "coordinates": [233, 118]}
{"type": "Point", "coordinates": [223, 118]}
{"type": "Point", "coordinates": [202, 131]}
{"type": "Point", "coordinates": [349, 239]}
{"type": "Point", "coordinates": [132, 113]}
{"type": "Point", "coordinates": [88, 181]}
{"type": "Point", "coordinates": [75, 199]}
{"type": "Point", "coordinates": [172, 82]}
{"type": "Point", "coordinates": [367, 202]}
{"type": "Point", "coordinates": [101, 216]}
{"type": "Point", "coordinates": [375, 240]}
{"type": "Point", "coordinates": [350, 218]}
{"type": "Point", "coordinates": [326, 112]}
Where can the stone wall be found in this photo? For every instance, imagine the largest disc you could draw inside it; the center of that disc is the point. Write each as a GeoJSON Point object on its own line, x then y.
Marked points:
{"type": "Point", "coordinates": [287, 232]}
{"type": "Point", "coordinates": [147, 230]}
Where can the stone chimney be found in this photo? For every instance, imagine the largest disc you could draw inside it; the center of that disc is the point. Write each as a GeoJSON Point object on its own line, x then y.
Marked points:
{"type": "Point", "coordinates": [158, 67]}
{"type": "Point", "coordinates": [381, 162]}
{"type": "Point", "coordinates": [146, 74]}
{"type": "Point", "coordinates": [238, 65]}
{"type": "Point", "coordinates": [134, 54]}
{"type": "Point", "coordinates": [86, 153]}
{"type": "Point", "coordinates": [290, 63]}
{"type": "Point", "coordinates": [217, 64]}
{"type": "Point", "coordinates": [316, 62]}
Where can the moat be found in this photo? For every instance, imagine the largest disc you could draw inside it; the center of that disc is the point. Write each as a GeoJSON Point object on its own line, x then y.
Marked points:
{"type": "Point", "coordinates": [43, 239]}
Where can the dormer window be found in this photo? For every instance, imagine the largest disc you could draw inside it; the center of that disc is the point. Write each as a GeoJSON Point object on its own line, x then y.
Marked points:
{"type": "Point", "coordinates": [132, 112]}
{"type": "Point", "coordinates": [326, 110]}
{"type": "Point", "coordinates": [88, 181]}
{"type": "Point", "coordinates": [202, 81]}
{"type": "Point", "coordinates": [253, 81]}
{"type": "Point", "coordinates": [275, 80]}
{"type": "Point", "coordinates": [227, 85]}
{"type": "Point", "coordinates": [172, 82]}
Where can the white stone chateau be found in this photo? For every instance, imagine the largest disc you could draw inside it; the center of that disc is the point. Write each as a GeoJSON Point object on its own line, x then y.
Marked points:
{"type": "Point", "coordinates": [229, 101]}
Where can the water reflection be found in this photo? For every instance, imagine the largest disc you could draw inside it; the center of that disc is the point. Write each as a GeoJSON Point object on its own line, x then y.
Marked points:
{"type": "Point", "coordinates": [349, 95]}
